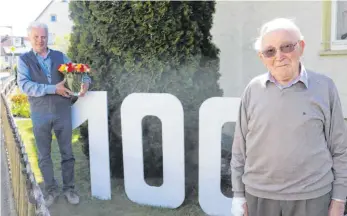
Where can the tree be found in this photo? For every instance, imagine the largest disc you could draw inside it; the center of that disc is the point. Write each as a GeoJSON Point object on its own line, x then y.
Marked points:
{"type": "Point", "coordinates": [148, 46]}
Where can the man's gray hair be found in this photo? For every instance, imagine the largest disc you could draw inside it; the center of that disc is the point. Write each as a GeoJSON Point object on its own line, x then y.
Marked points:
{"type": "Point", "coordinates": [37, 25]}
{"type": "Point", "coordinates": [277, 24]}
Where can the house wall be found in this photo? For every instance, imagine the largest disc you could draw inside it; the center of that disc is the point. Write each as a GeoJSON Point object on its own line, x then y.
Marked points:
{"type": "Point", "coordinates": [63, 25]}
{"type": "Point", "coordinates": [235, 29]}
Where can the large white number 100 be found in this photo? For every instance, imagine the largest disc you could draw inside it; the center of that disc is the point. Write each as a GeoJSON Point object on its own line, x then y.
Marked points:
{"type": "Point", "coordinates": [214, 113]}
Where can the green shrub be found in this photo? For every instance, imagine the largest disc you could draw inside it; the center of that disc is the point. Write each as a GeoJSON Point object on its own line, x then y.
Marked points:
{"type": "Point", "coordinates": [155, 47]}
{"type": "Point", "coordinates": [20, 105]}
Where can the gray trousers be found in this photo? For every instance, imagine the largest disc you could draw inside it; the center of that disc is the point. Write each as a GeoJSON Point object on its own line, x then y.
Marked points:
{"type": "Point", "coordinates": [265, 207]}
{"type": "Point", "coordinates": [43, 124]}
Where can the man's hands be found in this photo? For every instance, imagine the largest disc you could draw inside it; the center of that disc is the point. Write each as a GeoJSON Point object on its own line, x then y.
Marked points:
{"type": "Point", "coordinates": [245, 208]}
{"type": "Point", "coordinates": [84, 89]}
{"type": "Point", "coordinates": [62, 90]}
{"type": "Point", "coordinates": [65, 92]}
{"type": "Point", "coordinates": [336, 208]}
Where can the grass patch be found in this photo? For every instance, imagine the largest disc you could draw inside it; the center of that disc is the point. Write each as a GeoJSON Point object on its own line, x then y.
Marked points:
{"type": "Point", "coordinates": [118, 205]}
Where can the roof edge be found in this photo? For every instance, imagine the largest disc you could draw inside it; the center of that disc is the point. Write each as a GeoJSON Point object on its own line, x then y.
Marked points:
{"type": "Point", "coordinates": [49, 4]}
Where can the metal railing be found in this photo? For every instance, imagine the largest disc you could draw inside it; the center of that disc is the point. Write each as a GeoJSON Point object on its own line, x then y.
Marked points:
{"type": "Point", "coordinates": [28, 197]}
{"type": "Point", "coordinates": [8, 85]}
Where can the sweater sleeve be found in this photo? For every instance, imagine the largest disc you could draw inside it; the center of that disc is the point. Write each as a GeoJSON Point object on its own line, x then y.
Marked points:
{"type": "Point", "coordinates": [336, 135]}
{"type": "Point", "coordinates": [238, 155]}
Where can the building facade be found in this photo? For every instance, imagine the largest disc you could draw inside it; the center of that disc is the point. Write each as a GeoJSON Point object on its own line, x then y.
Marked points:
{"type": "Point", "coordinates": [11, 48]}
{"type": "Point", "coordinates": [56, 17]}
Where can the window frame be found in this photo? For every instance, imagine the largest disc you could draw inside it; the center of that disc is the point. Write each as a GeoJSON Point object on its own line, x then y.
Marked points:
{"type": "Point", "coordinates": [326, 44]}
{"type": "Point", "coordinates": [17, 41]}
{"type": "Point", "coordinates": [334, 43]}
{"type": "Point", "coordinates": [55, 20]}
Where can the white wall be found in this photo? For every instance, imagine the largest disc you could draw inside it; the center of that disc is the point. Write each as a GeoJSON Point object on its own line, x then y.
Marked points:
{"type": "Point", "coordinates": [236, 26]}
{"type": "Point", "coordinates": [63, 25]}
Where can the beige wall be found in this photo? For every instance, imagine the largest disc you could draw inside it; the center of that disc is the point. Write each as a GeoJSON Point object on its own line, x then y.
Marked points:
{"type": "Point", "coordinates": [236, 26]}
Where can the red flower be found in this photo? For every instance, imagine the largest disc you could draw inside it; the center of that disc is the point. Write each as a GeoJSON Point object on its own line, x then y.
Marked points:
{"type": "Point", "coordinates": [70, 67]}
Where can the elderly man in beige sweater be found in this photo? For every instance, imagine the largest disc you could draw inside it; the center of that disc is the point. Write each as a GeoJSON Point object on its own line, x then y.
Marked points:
{"type": "Point", "coordinates": [289, 153]}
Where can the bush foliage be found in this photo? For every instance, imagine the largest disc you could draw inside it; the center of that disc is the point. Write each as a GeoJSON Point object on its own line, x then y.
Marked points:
{"type": "Point", "coordinates": [20, 105]}
{"type": "Point", "coordinates": [148, 46]}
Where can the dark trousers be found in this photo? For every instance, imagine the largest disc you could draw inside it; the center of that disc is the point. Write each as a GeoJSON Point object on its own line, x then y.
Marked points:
{"type": "Point", "coordinates": [43, 124]}
{"type": "Point", "coordinates": [266, 207]}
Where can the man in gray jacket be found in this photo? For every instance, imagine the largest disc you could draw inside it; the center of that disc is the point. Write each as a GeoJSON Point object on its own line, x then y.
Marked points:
{"type": "Point", "coordinates": [50, 107]}
{"type": "Point", "coordinates": [289, 153]}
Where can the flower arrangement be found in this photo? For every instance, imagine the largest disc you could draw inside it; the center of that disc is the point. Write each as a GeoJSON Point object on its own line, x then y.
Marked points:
{"type": "Point", "coordinates": [73, 68]}
{"type": "Point", "coordinates": [73, 73]}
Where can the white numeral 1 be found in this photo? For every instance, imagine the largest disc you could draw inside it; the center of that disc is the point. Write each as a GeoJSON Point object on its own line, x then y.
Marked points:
{"type": "Point", "coordinates": [214, 113]}
{"type": "Point", "coordinates": [169, 110]}
{"type": "Point", "coordinates": [93, 108]}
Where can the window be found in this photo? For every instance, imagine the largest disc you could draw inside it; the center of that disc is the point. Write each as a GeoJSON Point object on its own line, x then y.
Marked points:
{"type": "Point", "coordinates": [53, 18]}
{"type": "Point", "coordinates": [334, 28]}
{"type": "Point", "coordinates": [17, 41]}
{"type": "Point", "coordinates": [51, 38]}
{"type": "Point", "coordinates": [338, 25]}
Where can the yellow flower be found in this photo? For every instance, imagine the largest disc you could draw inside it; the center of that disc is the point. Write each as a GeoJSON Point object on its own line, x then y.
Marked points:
{"type": "Point", "coordinates": [62, 68]}
{"type": "Point", "coordinates": [78, 67]}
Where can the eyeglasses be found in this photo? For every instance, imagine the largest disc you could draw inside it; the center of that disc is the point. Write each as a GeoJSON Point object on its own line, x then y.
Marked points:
{"type": "Point", "coordinates": [286, 48]}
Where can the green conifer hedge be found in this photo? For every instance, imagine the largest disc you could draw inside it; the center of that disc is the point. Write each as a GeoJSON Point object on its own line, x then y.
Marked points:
{"type": "Point", "coordinates": [155, 47]}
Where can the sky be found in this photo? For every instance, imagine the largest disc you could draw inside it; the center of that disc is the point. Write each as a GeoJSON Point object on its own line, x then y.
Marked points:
{"type": "Point", "coordinates": [19, 13]}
